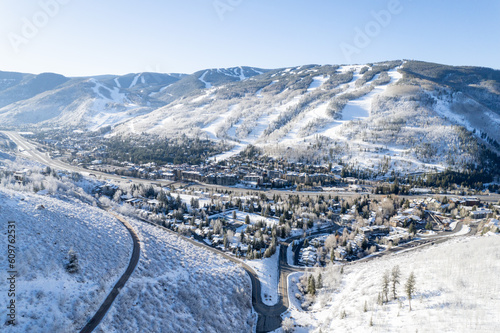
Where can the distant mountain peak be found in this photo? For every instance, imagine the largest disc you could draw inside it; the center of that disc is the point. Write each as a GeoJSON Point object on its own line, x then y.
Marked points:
{"type": "Point", "coordinates": [411, 111]}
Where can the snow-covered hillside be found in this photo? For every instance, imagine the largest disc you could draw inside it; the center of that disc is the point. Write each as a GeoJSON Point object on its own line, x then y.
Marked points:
{"type": "Point", "coordinates": [178, 287]}
{"type": "Point", "coordinates": [457, 290]}
{"type": "Point", "coordinates": [48, 297]}
{"type": "Point", "coordinates": [278, 106]}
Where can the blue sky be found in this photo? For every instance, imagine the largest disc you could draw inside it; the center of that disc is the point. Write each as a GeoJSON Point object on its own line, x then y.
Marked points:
{"type": "Point", "coordinates": [77, 37]}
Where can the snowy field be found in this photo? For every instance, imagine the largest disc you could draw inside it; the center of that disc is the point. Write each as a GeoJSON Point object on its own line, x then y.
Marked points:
{"type": "Point", "coordinates": [187, 199]}
{"type": "Point", "coordinates": [178, 287]}
{"type": "Point", "coordinates": [241, 216]}
{"type": "Point", "coordinates": [457, 290]}
{"type": "Point", "coordinates": [267, 271]}
{"type": "Point", "coordinates": [48, 298]}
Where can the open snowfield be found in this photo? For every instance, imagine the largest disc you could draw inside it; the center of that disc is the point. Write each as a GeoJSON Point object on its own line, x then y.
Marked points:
{"type": "Point", "coordinates": [187, 199]}
{"type": "Point", "coordinates": [267, 270]}
{"type": "Point", "coordinates": [110, 106]}
{"type": "Point", "coordinates": [179, 287]}
{"type": "Point", "coordinates": [457, 290]}
{"type": "Point", "coordinates": [241, 216]}
{"type": "Point", "coordinates": [48, 298]}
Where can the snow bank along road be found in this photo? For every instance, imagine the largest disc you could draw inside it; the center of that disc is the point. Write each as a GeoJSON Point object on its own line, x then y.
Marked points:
{"type": "Point", "coordinates": [134, 259]}
{"type": "Point", "coordinates": [269, 316]}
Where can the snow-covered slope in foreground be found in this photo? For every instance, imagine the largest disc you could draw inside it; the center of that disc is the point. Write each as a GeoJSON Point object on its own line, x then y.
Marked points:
{"type": "Point", "coordinates": [457, 290]}
{"type": "Point", "coordinates": [48, 298]}
{"type": "Point", "coordinates": [179, 287]}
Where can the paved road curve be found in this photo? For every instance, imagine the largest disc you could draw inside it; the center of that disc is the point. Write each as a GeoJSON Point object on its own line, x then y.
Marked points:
{"type": "Point", "coordinates": [28, 149]}
{"type": "Point", "coordinates": [99, 315]}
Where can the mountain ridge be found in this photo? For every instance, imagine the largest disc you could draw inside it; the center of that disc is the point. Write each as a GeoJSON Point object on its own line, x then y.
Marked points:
{"type": "Point", "coordinates": [421, 115]}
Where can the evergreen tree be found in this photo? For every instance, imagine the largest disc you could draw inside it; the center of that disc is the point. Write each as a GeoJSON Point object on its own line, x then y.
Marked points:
{"type": "Point", "coordinates": [195, 204]}
{"type": "Point", "coordinates": [428, 226]}
{"type": "Point", "coordinates": [385, 286]}
{"type": "Point", "coordinates": [72, 266]}
{"type": "Point", "coordinates": [410, 288]}
{"type": "Point", "coordinates": [265, 213]}
{"type": "Point", "coordinates": [411, 229]}
{"type": "Point", "coordinates": [249, 252]}
{"type": "Point", "coordinates": [247, 219]}
{"type": "Point", "coordinates": [319, 283]}
{"type": "Point", "coordinates": [311, 288]}
{"type": "Point", "coordinates": [161, 197]}
{"type": "Point", "coordinates": [396, 274]}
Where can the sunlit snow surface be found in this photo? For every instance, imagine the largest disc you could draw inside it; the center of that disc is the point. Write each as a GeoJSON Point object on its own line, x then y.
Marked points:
{"type": "Point", "coordinates": [457, 290]}
{"type": "Point", "coordinates": [48, 298]}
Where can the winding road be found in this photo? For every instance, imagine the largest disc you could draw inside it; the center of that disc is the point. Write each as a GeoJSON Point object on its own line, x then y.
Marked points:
{"type": "Point", "coordinates": [134, 259]}
{"type": "Point", "coordinates": [29, 150]}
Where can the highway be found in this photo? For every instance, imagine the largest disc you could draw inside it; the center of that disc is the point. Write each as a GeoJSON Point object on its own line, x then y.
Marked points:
{"type": "Point", "coordinates": [29, 150]}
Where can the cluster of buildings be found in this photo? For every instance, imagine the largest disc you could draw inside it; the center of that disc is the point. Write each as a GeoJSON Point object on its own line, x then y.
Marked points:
{"type": "Point", "coordinates": [252, 174]}
{"type": "Point", "coordinates": [248, 174]}
{"type": "Point", "coordinates": [266, 172]}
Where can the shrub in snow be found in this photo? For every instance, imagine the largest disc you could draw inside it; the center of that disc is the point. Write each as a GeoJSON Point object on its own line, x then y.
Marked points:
{"type": "Point", "coordinates": [72, 265]}
{"type": "Point", "coordinates": [288, 325]}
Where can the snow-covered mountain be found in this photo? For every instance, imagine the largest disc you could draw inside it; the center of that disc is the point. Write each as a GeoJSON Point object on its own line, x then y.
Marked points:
{"type": "Point", "coordinates": [95, 102]}
{"type": "Point", "coordinates": [421, 115]}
